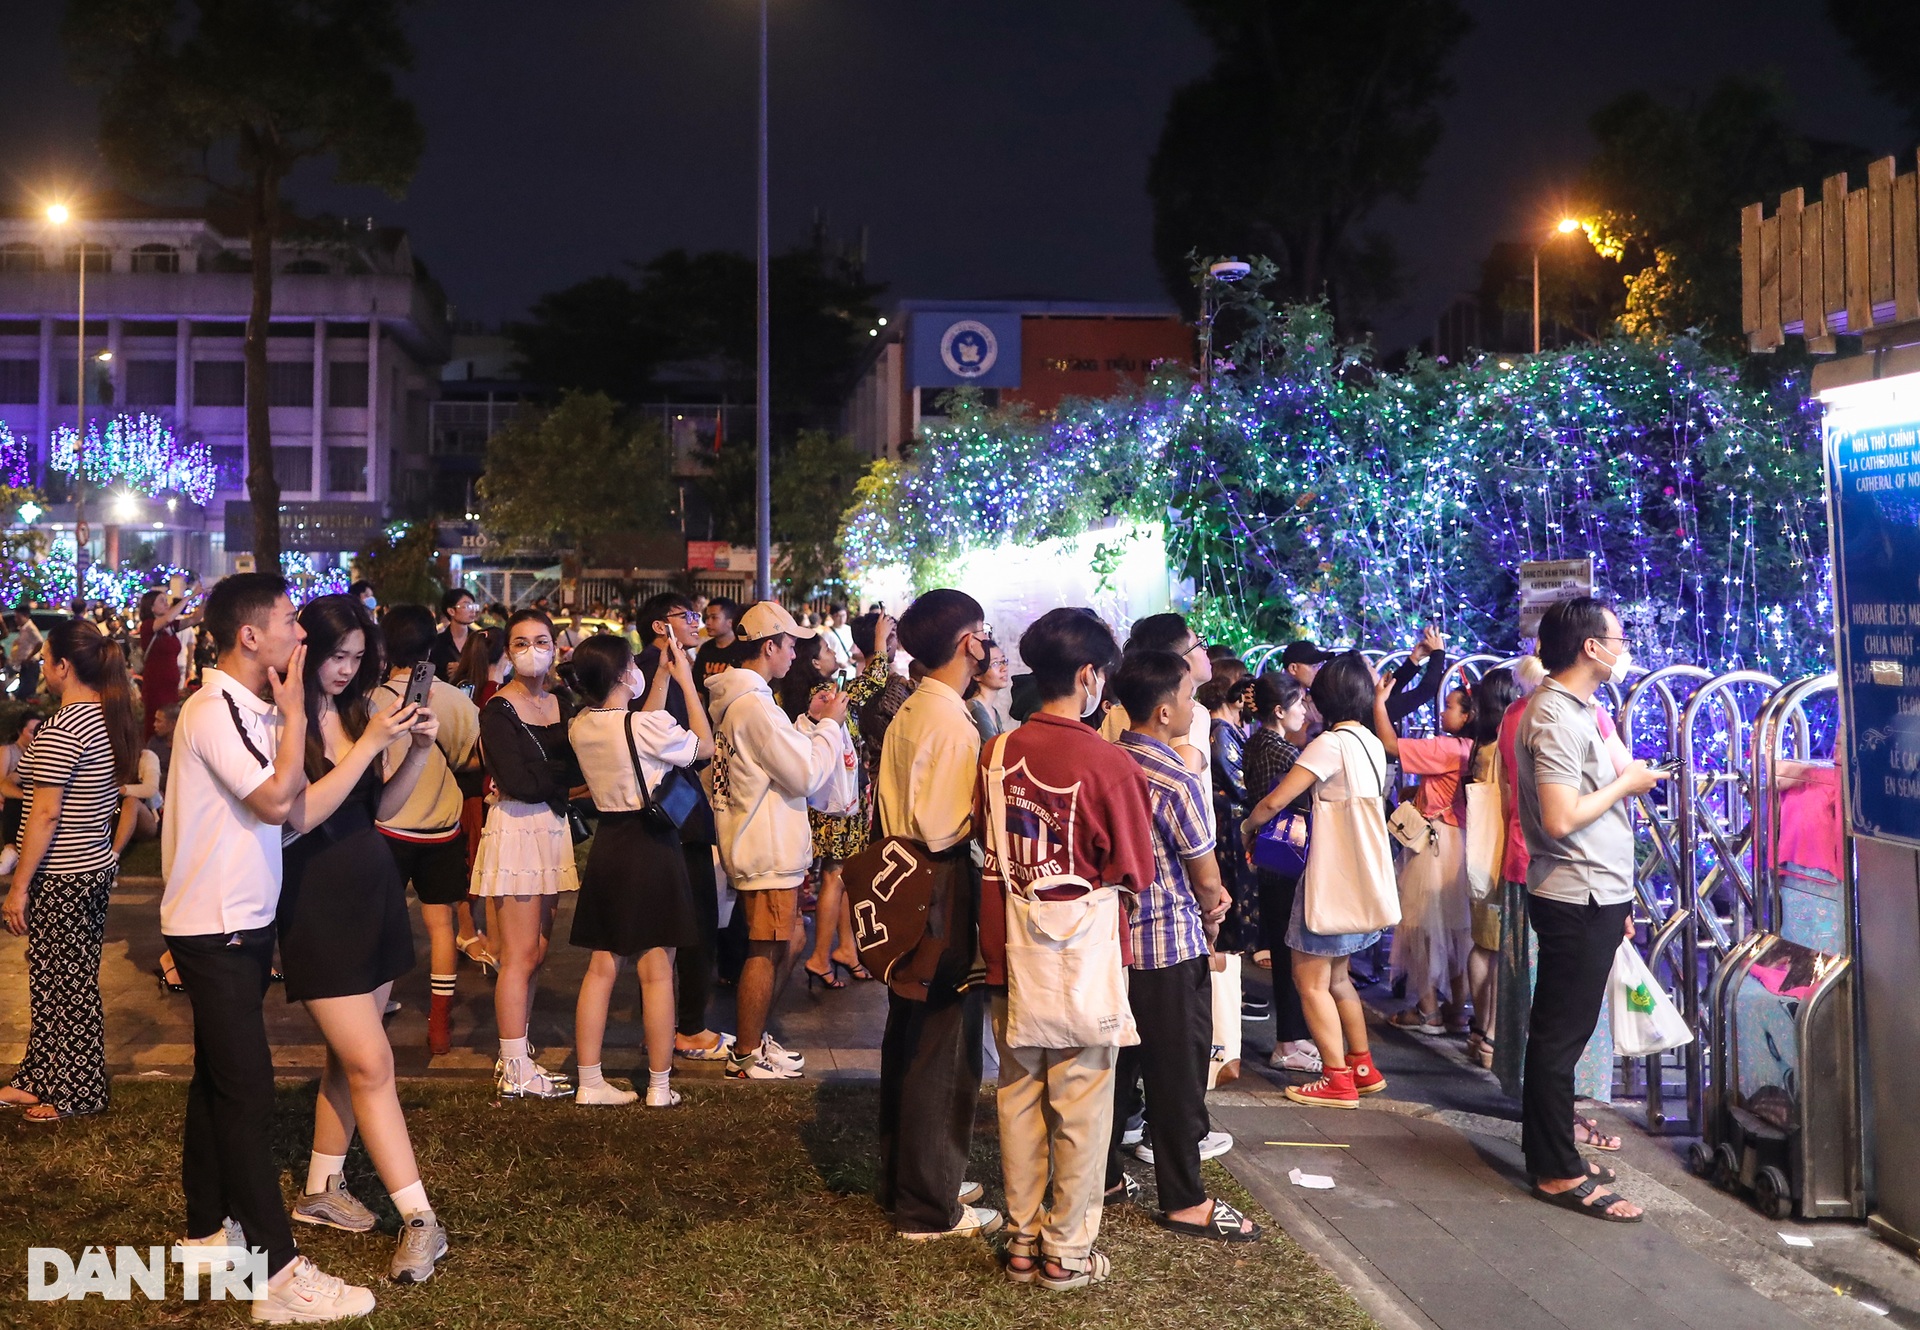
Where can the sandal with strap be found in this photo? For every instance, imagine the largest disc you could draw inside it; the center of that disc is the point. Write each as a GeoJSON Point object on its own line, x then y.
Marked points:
{"type": "Point", "coordinates": [475, 949]}
{"type": "Point", "coordinates": [1596, 1139]}
{"type": "Point", "coordinates": [1577, 1200]}
{"type": "Point", "coordinates": [855, 971]}
{"type": "Point", "coordinates": [1023, 1249]}
{"type": "Point", "coordinates": [1099, 1268]}
{"type": "Point", "coordinates": [1223, 1225]}
{"type": "Point", "coordinates": [161, 972]}
{"type": "Point", "coordinates": [1127, 1189]}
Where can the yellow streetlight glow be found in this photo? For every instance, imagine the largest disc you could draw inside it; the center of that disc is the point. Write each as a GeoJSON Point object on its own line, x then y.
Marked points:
{"type": "Point", "coordinates": [104, 357]}
{"type": "Point", "coordinates": [57, 214]}
{"type": "Point", "coordinates": [1568, 225]}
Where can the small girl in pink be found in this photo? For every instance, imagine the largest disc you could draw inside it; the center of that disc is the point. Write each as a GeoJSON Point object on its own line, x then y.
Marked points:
{"type": "Point", "coordinates": [1434, 936]}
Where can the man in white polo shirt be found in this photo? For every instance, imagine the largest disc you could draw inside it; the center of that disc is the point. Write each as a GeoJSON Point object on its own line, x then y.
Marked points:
{"type": "Point", "coordinates": [237, 771]}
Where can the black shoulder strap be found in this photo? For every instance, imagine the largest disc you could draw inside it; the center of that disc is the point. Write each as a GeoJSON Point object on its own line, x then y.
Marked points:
{"type": "Point", "coordinates": [639, 772]}
{"type": "Point", "coordinates": [240, 727]}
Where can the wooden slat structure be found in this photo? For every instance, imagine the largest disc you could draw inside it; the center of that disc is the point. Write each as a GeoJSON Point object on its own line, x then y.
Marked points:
{"type": "Point", "coordinates": [1846, 263]}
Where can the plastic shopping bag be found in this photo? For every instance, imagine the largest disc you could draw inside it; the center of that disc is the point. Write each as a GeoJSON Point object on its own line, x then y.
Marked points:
{"type": "Point", "coordinates": [1223, 1064]}
{"type": "Point", "coordinates": [1645, 1021]}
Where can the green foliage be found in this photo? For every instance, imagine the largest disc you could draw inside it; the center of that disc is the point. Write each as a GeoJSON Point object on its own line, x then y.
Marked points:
{"type": "Point", "coordinates": [1665, 185]}
{"type": "Point", "coordinates": [401, 566]}
{"type": "Point", "coordinates": [226, 98]}
{"type": "Point", "coordinates": [560, 479]}
{"type": "Point", "coordinates": [1312, 115]}
{"type": "Point", "coordinates": [812, 487]}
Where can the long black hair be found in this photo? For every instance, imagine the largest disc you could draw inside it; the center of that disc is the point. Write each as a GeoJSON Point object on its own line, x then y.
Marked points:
{"type": "Point", "coordinates": [99, 662]}
{"type": "Point", "coordinates": [1487, 702]}
{"type": "Point", "coordinates": [329, 620]}
{"type": "Point", "coordinates": [796, 689]}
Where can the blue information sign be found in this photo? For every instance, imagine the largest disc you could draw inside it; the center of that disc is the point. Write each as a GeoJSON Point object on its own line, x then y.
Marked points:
{"type": "Point", "coordinates": [1873, 496]}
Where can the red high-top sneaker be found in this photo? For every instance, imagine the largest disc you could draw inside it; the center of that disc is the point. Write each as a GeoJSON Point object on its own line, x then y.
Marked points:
{"type": "Point", "coordinates": [1333, 1090]}
{"type": "Point", "coordinates": [1366, 1077]}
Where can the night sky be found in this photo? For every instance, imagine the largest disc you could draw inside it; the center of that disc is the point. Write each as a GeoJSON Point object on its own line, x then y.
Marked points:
{"type": "Point", "coordinates": [994, 148]}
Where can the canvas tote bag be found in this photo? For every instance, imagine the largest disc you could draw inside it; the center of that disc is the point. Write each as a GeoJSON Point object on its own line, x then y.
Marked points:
{"type": "Point", "coordinates": [1485, 832]}
{"type": "Point", "coordinates": [1349, 880]}
{"type": "Point", "coordinates": [1066, 984]}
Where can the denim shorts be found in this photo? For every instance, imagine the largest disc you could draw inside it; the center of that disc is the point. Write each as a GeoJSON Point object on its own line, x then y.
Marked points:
{"type": "Point", "coordinates": [1308, 943]}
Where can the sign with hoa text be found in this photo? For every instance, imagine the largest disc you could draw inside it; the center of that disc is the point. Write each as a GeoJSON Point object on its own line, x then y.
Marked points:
{"type": "Point", "coordinates": [1873, 502]}
{"type": "Point", "coordinates": [1545, 583]}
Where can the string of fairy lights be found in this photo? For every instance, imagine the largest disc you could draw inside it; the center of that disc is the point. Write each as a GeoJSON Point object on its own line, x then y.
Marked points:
{"type": "Point", "coordinates": [1312, 492]}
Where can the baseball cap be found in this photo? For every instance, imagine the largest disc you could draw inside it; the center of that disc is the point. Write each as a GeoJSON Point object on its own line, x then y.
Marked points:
{"type": "Point", "coordinates": [1305, 653]}
{"type": "Point", "coordinates": [769, 618]}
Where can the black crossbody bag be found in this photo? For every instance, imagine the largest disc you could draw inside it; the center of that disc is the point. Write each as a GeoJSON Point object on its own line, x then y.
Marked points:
{"type": "Point", "coordinates": [679, 794]}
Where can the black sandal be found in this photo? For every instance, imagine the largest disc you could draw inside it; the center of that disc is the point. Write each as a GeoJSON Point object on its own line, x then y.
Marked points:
{"type": "Point", "coordinates": [172, 985]}
{"type": "Point", "coordinates": [1576, 1199]}
{"type": "Point", "coordinates": [1127, 1189]}
{"type": "Point", "coordinates": [1223, 1225]}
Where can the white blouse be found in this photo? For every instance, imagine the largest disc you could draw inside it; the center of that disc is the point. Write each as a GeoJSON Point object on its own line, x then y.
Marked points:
{"type": "Point", "coordinates": [601, 747]}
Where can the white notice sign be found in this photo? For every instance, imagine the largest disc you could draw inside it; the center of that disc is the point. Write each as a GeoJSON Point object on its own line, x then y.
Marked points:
{"type": "Point", "coordinates": [1546, 583]}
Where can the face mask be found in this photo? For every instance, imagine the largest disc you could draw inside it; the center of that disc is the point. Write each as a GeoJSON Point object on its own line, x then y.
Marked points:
{"type": "Point", "coordinates": [370, 602]}
{"type": "Point", "coordinates": [1621, 667]}
{"type": "Point", "coordinates": [532, 662]}
{"type": "Point", "coordinates": [636, 681]}
{"type": "Point", "coordinates": [1093, 699]}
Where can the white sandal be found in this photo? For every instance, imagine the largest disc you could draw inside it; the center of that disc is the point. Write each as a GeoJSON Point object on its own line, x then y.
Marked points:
{"type": "Point", "coordinates": [1098, 1269]}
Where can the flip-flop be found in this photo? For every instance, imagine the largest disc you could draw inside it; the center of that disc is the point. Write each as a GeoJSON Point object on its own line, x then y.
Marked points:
{"type": "Point", "coordinates": [1575, 1198]}
{"type": "Point", "coordinates": [1594, 1135]}
{"type": "Point", "coordinates": [1223, 1225]}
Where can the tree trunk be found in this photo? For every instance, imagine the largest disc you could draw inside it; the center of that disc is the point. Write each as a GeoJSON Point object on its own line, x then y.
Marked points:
{"type": "Point", "coordinates": [262, 223]}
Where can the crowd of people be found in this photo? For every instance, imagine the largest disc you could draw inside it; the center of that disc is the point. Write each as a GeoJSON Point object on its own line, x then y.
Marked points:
{"type": "Point", "coordinates": [1056, 862]}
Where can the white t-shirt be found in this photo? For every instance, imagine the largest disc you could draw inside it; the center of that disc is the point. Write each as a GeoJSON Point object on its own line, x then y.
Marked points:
{"type": "Point", "coordinates": [601, 748]}
{"type": "Point", "coordinates": [1324, 758]}
{"type": "Point", "coordinates": [221, 863]}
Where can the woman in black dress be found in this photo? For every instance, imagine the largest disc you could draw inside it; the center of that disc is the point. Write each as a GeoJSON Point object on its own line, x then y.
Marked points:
{"type": "Point", "coordinates": [635, 901]}
{"type": "Point", "coordinates": [344, 932]}
{"type": "Point", "coordinates": [1280, 707]}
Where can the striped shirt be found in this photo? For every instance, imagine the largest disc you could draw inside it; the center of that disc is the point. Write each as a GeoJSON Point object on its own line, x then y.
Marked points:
{"type": "Point", "coordinates": [1167, 928]}
{"type": "Point", "coordinates": [72, 750]}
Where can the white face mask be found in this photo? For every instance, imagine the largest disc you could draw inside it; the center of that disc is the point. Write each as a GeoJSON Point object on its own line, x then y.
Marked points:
{"type": "Point", "coordinates": [1093, 698]}
{"type": "Point", "coordinates": [636, 681]}
{"type": "Point", "coordinates": [1621, 667]}
{"type": "Point", "coordinates": [532, 662]}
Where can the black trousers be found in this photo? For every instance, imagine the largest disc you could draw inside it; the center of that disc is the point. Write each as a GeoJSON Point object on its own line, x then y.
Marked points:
{"type": "Point", "coordinates": [693, 966]}
{"type": "Point", "coordinates": [226, 1163]}
{"type": "Point", "coordinates": [1577, 943]}
{"type": "Point", "coordinates": [930, 1067]}
{"type": "Point", "coordinates": [1174, 1009]}
{"type": "Point", "coordinates": [1127, 1104]}
{"type": "Point", "coordinates": [1276, 908]}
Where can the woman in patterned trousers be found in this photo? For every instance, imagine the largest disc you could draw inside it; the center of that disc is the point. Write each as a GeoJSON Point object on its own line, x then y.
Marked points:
{"type": "Point", "coordinates": [72, 777]}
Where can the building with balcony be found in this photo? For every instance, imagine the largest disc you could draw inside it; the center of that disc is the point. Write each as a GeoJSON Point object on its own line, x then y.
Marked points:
{"type": "Point", "coordinates": [355, 345]}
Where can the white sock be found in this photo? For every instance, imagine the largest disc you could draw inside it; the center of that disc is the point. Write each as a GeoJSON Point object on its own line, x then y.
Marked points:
{"type": "Point", "coordinates": [513, 1048]}
{"type": "Point", "coordinates": [590, 1076]}
{"type": "Point", "coordinates": [657, 1081]}
{"type": "Point", "coordinates": [320, 1168]}
{"type": "Point", "coordinates": [411, 1199]}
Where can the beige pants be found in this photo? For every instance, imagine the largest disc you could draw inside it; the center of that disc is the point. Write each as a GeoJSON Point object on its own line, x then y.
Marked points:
{"type": "Point", "coordinates": [1056, 1115]}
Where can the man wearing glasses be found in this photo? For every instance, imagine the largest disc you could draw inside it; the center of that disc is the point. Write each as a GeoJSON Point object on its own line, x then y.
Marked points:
{"type": "Point", "coordinates": [1573, 798]}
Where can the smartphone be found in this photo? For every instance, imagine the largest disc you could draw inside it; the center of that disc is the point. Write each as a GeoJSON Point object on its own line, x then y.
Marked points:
{"type": "Point", "coordinates": [419, 684]}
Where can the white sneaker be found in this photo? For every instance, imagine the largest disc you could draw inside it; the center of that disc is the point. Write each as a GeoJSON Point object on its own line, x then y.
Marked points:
{"type": "Point", "coordinates": [755, 1067]}
{"type": "Point", "coordinates": [217, 1252]}
{"type": "Point", "coordinates": [666, 1099]}
{"type": "Point", "coordinates": [9, 860]}
{"type": "Point", "coordinates": [1299, 1055]}
{"type": "Point", "coordinates": [1132, 1136]}
{"type": "Point", "coordinates": [771, 1050]}
{"type": "Point", "coordinates": [1143, 1152]}
{"type": "Point", "coordinates": [1215, 1143]}
{"type": "Point", "coordinates": [311, 1296]}
{"type": "Point", "coordinates": [603, 1095]}
{"type": "Point", "coordinates": [974, 1220]}
{"type": "Point", "coordinates": [971, 1192]}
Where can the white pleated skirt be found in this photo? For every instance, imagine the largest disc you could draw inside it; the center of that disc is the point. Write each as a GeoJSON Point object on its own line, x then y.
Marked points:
{"type": "Point", "coordinates": [525, 850]}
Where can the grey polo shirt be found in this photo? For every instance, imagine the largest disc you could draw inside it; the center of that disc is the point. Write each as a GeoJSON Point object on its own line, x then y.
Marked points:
{"type": "Point", "coordinates": [1558, 743]}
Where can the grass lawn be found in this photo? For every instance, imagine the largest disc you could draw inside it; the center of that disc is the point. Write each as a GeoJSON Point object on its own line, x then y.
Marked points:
{"type": "Point", "coordinates": [748, 1206]}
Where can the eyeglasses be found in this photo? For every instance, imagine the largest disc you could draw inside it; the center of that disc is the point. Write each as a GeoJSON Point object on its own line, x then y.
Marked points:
{"type": "Point", "coordinates": [1609, 637]}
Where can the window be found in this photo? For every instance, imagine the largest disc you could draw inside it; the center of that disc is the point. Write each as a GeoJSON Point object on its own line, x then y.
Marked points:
{"type": "Point", "coordinates": [219, 383]}
{"type": "Point", "coordinates": [290, 383]}
{"type": "Point", "coordinates": [20, 257]}
{"type": "Point", "coordinates": [150, 383]}
{"type": "Point", "coordinates": [99, 258]}
{"type": "Point", "coordinates": [347, 383]}
{"type": "Point", "coordinates": [306, 268]}
{"type": "Point", "coordinates": [156, 258]}
{"type": "Point", "coordinates": [230, 466]}
{"type": "Point", "coordinates": [19, 381]}
{"type": "Point", "coordinates": [346, 470]}
{"type": "Point", "coordinates": [293, 468]}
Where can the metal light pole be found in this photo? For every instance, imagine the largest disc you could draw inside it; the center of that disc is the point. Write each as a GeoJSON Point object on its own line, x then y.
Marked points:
{"type": "Point", "coordinates": [1567, 226]}
{"type": "Point", "coordinates": [763, 391]}
{"type": "Point", "coordinates": [59, 215]}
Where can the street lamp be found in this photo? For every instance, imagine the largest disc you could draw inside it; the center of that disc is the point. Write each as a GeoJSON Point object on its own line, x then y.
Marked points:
{"type": "Point", "coordinates": [1224, 271]}
{"type": "Point", "coordinates": [763, 389]}
{"type": "Point", "coordinates": [1566, 226]}
{"type": "Point", "coordinates": [59, 215]}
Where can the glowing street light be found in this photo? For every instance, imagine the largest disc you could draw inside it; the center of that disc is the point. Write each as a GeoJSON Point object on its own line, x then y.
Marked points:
{"type": "Point", "coordinates": [1568, 225]}
{"type": "Point", "coordinates": [1565, 226]}
{"type": "Point", "coordinates": [57, 214]}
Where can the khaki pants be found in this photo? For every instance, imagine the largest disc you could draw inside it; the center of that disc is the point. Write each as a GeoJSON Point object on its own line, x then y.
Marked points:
{"type": "Point", "coordinates": [1056, 1115]}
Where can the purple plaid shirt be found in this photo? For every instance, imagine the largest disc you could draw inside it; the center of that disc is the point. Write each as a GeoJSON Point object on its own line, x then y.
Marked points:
{"type": "Point", "coordinates": [1167, 928]}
